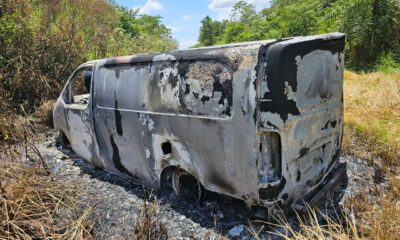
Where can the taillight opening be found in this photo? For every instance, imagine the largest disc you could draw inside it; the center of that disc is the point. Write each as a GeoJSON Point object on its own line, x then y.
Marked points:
{"type": "Point", "coordinates": [269, 163]}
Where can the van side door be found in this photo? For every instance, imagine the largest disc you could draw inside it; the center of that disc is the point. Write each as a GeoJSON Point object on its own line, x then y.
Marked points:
{"type": "Point", "coordinates": [79, 115]}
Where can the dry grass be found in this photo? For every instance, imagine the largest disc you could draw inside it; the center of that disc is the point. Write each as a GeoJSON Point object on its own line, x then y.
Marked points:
{"type": "Point", "coordinates": [149, 226]}
{"type": "Point", "coordinates": [44, 113]}
{"type": "Point", "coordinates": [374, 216]}
{"type": "Point", "coordinates": [372, 117]}
{"type": "Point", "coordinates": [317, 225]}
{"type": "Point", "coordinates": [16, 128]}
{"type": "Point", "coordinates": [372, 132]}
{"type": "Point", "coordinates": [37, 205]}
{"type": "Point", "coordinates": [379, 218]}
{"type": "Point", "coordinates": [367, 218]}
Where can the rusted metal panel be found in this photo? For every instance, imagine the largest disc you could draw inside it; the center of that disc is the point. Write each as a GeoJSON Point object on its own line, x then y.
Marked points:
{"type": "Point", "coordinates": [259, 121]}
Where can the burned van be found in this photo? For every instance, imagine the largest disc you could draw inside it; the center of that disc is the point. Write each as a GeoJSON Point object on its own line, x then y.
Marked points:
{"type": "Point", "coordinates": [259, 121]}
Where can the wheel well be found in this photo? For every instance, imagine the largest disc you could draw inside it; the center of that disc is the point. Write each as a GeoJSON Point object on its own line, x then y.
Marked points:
{"type": "Point", "coordinates": [166, 174]}
{"type": "Point", "coordinates": [182, 182]}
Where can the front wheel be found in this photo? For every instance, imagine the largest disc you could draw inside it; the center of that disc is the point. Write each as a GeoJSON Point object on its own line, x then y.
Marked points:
{"type": "Point", "coordinates": [62, 140]}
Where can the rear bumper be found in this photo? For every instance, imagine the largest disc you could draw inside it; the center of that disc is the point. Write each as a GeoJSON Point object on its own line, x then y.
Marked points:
{"type": "Point", "coordinates": [325, 190]}
{"type": "Point", "coordinates": [316, 197]}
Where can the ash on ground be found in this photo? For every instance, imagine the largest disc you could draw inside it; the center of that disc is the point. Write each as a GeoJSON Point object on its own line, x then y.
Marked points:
{"type": "Point", "coordinates": [118, 201]}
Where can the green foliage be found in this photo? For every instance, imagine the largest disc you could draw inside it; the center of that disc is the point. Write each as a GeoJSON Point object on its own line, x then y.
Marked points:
{"type": "Point", "coordinates": [244, 25]}
{"type": "Point", "coordinates": [372, 26]}
{"type": "Point", "coordinates": [141, 33]}
{"type": "Point", "coordinates": [386, 63]}
{"type": "Point", "coordinates": [210, 31]}
{"type": "Point", "coordinates": [42, 41]}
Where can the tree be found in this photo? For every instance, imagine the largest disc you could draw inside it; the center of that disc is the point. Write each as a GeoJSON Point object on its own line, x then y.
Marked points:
{"type": "Point", "coordinates": [372, 26]}
{"type": "Point", "coordinates": [210, 31]}
{"type": "Point", "coordinates": [243, 12]}
{"type": "Point", "coordinates": [42, 41]}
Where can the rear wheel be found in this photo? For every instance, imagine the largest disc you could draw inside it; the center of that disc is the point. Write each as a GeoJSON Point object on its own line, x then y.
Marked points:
{"type": "Point", "coordinates": [186, 185]}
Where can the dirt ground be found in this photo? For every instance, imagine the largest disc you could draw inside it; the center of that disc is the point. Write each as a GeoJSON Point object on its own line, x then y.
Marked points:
{"type": "Point", "coordinates": [118, 200]}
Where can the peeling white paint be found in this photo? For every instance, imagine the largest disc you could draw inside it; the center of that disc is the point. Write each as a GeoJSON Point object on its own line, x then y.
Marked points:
{"type": "Point", "coordinates": [164, 57]}
{"type": "Point", "coordinates": [252, 90]}
{"type": "Point", "coordinates": [289, 92]}
{"type": "Point", "coordinates": [169, 94]}
{"type": "Point", "coordinates": [148, 153]}
{"type": "Point", "coordinates": [145, 120]}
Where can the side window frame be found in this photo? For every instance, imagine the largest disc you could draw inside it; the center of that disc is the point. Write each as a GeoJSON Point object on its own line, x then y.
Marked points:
{"type": "Point", "coordinates": [67, 94]}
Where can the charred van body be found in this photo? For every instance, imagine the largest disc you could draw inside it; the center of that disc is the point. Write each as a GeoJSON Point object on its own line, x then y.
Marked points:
{"type": "Point", "coordinates": [259, 121]}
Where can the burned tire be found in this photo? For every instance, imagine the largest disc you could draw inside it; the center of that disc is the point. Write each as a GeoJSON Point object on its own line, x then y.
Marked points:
{"type": "Point", "coordinates": [184, 184]}
{"type": "Point", "coordinates": [62, 140]}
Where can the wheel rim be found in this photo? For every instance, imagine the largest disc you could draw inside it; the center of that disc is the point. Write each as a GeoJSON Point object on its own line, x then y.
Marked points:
{"type": "Point", "coordinates": [186, 185]}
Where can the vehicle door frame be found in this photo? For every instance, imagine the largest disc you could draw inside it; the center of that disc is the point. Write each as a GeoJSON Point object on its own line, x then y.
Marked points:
{"type": "Point", "coordinates": [89, 151]}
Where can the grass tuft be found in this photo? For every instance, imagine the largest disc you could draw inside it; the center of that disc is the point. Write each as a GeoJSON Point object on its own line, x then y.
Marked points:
{"type": "Point", "coordinates": [149, 225]}
{"type": "Point", "coordinates": [318, 225]}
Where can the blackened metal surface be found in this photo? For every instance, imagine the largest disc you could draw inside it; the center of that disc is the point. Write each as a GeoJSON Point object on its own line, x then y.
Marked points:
{"type": "Point", "coordinates": [282, 69]}
{"type": "Point", "coordinates": [116, 158]}
{"type": "Point", "coordinates": [214, 113]}
{"type": "Point", "coordinates": [118, 120]}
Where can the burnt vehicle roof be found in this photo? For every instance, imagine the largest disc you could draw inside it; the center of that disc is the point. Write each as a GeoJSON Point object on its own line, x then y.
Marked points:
{"type": "Point", "coordinates": [189, 54]}
{"type": "Point", "coordinates": [203, 53]}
